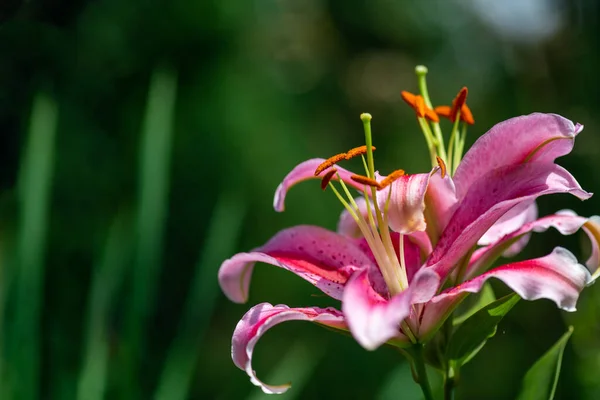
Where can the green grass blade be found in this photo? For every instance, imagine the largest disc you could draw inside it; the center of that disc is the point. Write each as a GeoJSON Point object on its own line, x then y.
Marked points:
{"type": "Point", "coordinates": [34, 182]}
{"type": "Point", "coordinates": [223, 233]}
{"type": "Point", "coordinates": [155, 151]}
{"type": "Point", "coordinates": [108, 277]}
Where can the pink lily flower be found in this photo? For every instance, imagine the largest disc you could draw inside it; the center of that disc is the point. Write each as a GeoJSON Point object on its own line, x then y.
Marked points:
{"type": "Point", "coordinates": [407, 254]}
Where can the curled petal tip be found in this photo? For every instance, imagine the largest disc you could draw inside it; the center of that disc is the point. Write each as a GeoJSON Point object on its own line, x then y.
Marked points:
{"type": "Point", "coordinates": [278, 199]}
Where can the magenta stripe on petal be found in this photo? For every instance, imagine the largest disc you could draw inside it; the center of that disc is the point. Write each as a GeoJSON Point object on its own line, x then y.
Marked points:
{"type": "Point", "coordinates": [323, 258]}
{"type": "Point", "coordinates": [305, 171]}
{"type": "Point", "coordinates": [263, 317]}
{"type": "Point", "coordinates": [557, 277]}
{"type": "Point", "coordinates": [546, 136]}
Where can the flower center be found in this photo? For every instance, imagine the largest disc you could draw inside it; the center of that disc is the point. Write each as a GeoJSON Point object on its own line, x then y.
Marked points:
{"type": "Point", "coordinates": [373, 221]}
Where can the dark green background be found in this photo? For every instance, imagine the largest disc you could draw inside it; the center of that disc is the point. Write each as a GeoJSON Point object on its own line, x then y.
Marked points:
{"type": "Point", "coordinates": [118, 267]}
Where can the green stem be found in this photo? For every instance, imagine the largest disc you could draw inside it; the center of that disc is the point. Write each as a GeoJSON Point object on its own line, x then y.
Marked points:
{"type": "Point", "coordinates": [422, 371]}
{"type": "Point", "coordinates": [449, 384]}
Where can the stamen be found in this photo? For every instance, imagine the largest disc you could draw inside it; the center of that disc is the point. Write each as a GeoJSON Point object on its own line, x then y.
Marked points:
{"type": "Point", "coordinates": [327, 178]}
{"type": "Point", "coordinates": [388, 180]}
{"type": "Point", "coordinates": [458, 102]}
{"type": "Point", "coordinates": [329, 163]}
{"type": "Point", "coordinates": [419, 104]}
{"type": "Point", "coordinates": [365, 180]}
{"type": "Point", "coordinates": [442, 166]}
{"type": "Point", "coordinates": [357, 151]}
{"type": "Point", "coordinates": [444, 111]}
{"type": "Point", "coordinates": [466, 114]}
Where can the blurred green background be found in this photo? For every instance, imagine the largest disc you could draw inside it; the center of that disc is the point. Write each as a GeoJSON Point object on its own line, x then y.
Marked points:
{"type": "Point", "coordinates": [141, 143]}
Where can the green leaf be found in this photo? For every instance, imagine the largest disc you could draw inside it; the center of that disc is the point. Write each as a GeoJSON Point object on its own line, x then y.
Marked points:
{"type": "Point", "coordinates": [470, 337]}
{"type": "Point", "coordinates": [541, 379]}
{"type": "Point", "coordinates": [474, 303]}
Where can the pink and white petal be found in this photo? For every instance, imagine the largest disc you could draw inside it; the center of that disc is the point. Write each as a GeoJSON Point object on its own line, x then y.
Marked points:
{"type": "Point", "coordinates": [263, 317]}
{"type": "Point", "coordinates": [440, 203]}
{"type": "Point", "coordinates": [422, 241]}
{"type": "Point", "coordinates": [514, 219]}
{"type": "Point", "coordinates": [321, 257]}
{"type": "Point", "coordinates": [491, 197]}
{"type": "Point", "coordinates": [305, 171]}
{"type": "Point", "coordinates": [406, 203]}
{"type": "Point", "coordinates": [374, 320]}
{"type": "Point", "coordinates": [535, 137]}
{"type": "Point", "coordinates": [566, 222]}
{"type": "Point", "coordinates": [557, 277]}
{"type": "Point", "coordinates": [592, 228]}
{"type": "Point", "coordinates": [347, 226]}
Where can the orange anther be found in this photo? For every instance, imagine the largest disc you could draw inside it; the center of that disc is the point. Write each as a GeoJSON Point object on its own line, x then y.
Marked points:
{"type": "Point", "coordinates": [451, 112]}
{"type": "Point", "coordinates": [327, 178]}
{"type": "Point", "coordinates": [388, 180]}
{"type": "Point", "coordinates": [444, 111]}
{"type": "Point", "coordinates": [466, 115]}
{"type": "Point", "coordinates": [329, 162]}
{"type": "Point", "coordinates": [442, 165]}
{"type": "Point", "coordinates": [431, 115]}
{"type": "Point", "coordinates": [459, 101]}
{"type": "Point", "coordinates": [408, 97]}
{"type": "Point", "coordinates": [418, 104]}
{"type": "Point", "coordinates": [365, 180]}
{"type": "Point", "coordinates": [357, 151]}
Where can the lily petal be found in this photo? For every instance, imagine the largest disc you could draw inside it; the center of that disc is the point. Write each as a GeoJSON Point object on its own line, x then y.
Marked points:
{"type": "Point", "coordinates": [323, 258]}
{"type": "Point", "coordinates": [557, 277]}
{"type": "Point", "coordinates": [535, 137]}
{"type": "Point", "coordinates": [406, 203]}
{"type": "Point", "coordinates": [418, 198]}
{"type": "Point", "coordinates": [592, 228]}
{"type": "Point", "coordinates": [440, 203]}
{"type": "Point", "coordinates": [566, 222]}
{"type": "Point", "coordinates": [514, 219]}
{"type": "Point", "coordinates": [305, 171]}
{"type": "Point", "coordinates": [492, 196]}
{"type": "Point", "coordinates": [374, 320]}
{"type": "Point", "coordinates": [263, 317]}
